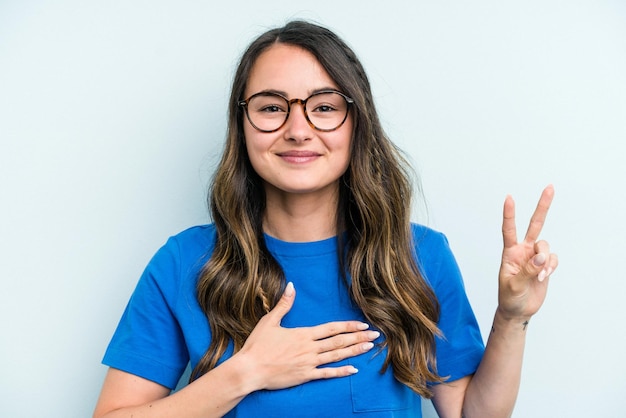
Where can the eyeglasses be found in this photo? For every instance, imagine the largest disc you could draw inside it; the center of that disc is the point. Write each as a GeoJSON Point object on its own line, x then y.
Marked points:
{"type": "Point", "coordinates": [325, 110]}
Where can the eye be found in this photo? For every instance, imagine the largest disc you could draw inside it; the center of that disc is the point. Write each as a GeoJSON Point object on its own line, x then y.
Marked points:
{"type": "Point", "coordinates": [267, 104]}
{"type": "Point", "coordinates": [326, 103]}
{"type": "Point", "coordinates": [323, 108]}
{"type": "Point", "coordinates": [271, 109]}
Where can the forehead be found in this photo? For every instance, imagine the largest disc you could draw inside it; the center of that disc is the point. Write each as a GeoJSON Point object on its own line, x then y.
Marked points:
{"type": "Point", "coordinates": [289, 69]}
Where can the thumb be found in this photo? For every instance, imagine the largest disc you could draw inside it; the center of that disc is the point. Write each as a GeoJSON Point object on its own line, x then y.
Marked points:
{"type": "Point", "coordinates": [284, 304]}
{"type": "Point", "coordinates": [537, 264]}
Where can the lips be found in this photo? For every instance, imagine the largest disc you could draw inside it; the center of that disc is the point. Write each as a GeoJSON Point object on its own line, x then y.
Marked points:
{"type": "Point", "coordinates": [298, 156]}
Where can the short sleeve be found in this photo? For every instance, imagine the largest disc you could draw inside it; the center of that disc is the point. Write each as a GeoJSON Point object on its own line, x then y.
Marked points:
{"type": "Point", "coordinates": [148, 341]}
{"type": "Point", "coordinates": [460, 348]}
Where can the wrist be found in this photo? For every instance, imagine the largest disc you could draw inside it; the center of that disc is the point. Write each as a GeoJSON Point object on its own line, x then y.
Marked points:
{"type": "Point", "coordinates": [241, 370]}
{"type": "Point", "coordinates": [504, 318]}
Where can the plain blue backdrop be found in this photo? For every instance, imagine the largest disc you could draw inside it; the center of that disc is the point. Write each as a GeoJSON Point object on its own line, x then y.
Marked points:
{"type": "Point", "coordinates": [112, 116]}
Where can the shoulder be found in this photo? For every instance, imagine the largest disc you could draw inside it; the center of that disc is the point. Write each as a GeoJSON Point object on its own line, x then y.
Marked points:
{"type": "Point", "coordinates": [428, 240]}
{"type": "Point", "coordinates": [192, 241]}
{"type": "Point", "coordinates": [182, 255]}
{"type": "Point", "coordinates": [434, 256]}
{"type": "Point", "coordinates": [198, 238]}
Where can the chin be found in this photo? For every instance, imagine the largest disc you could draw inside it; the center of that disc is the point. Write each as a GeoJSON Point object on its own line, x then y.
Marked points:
{"type": "Point", "coordinates": [304, 188]}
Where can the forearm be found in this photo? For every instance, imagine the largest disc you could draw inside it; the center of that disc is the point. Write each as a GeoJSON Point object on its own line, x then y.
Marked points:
{"type": "Point", "coordinates": [211, 395]}
{"type": "Point", "coordinates": [493, 389]}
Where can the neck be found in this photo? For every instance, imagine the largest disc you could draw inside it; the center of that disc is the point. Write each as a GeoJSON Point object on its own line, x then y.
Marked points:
{"type": "Point", "coordinates": [301, 217]}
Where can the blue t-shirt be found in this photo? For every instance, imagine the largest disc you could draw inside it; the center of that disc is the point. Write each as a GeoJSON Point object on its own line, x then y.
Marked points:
{"type": "Point", "coordinates": [163, 327]}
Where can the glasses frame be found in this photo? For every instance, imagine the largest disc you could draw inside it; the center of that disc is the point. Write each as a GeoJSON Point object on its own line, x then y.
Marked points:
{"type": "Point", "coordinates": [244, 104]}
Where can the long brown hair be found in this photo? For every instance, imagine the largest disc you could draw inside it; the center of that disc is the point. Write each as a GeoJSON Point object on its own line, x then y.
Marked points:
{"type": "Point", "coordinates": [242, 281]}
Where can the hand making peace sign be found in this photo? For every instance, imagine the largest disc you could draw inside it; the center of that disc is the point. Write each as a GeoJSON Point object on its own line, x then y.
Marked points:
{"type": "Point", "coordinates": [527, 265]}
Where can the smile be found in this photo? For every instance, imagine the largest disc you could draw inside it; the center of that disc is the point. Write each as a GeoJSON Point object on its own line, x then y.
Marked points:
{"type": "Point", "coordinates": [298, 157]}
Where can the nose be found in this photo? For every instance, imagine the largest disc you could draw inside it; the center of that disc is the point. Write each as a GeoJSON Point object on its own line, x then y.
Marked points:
{"type": "Point", "coordinates": [297, 125]}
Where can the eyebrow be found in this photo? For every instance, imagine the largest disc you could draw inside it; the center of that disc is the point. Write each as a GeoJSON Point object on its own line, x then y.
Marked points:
{"type": "Point", "coordinates": [284, 93]}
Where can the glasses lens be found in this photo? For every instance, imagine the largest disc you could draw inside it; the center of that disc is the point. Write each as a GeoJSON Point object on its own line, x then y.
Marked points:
{"type": "Point", "coordinates": [267, 112]}
{"type": "Point", "coordinates": [327, 111]}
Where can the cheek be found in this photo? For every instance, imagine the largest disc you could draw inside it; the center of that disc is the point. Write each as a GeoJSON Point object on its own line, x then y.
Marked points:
{"type": "Point", "coordinates": [348, 135]}
{"type": "Point", "coordinates": [249, 138]}
{"type": "Point", "coordinates": [343, 145]}
{"type": "Point", "coordinates": [255, 147]}
{"type": "Point", "coordinates": [253, 154]}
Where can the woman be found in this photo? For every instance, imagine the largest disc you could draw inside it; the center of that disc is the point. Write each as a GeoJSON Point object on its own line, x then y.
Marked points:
{"type": "Point", "coordinates": [311, 196]}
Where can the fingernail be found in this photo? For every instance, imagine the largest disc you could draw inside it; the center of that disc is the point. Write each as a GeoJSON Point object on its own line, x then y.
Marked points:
{"type": "Point", "coordinates": [289, 289]}
{"type": "Point", "coordinates": [362, 326]}
{"type": "Point", "coordinates": [539, 259]}
{"type": "Point", "coordinates": [352, 370]}
{"type": "Point", "coordinates": [545, 273]}
{"type": "Point", "coordinates": [542, 275]}
{"type": "Point", "coordinates": [367, 346]}
{"type": "Point", "coordinates": [372, 335]}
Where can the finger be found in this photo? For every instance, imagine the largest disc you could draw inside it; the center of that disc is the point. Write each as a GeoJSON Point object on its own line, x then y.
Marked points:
{"type": "Point", "coordinates": [539, 216]}
{"type": "Point", "coordinates": [509, 232]}
{"type": "Point", "coordinates": [284, 304]}
{"type": "Point", "coordinates": [330, 372]}
{"type": "Point", "coordinates": [540, 259]}
{"type": "Point", "coordinates": [549, 268]}
{"type": "Point", "coordinates": [344, 353]}
{"type": "Point", "coordinates": [542, 246]}
{"type": "Point", "coordinates": [537, 266]}
{"type": "Point", "coordinates": [345, 340]}
{"type": "Point", "coordinates": [329, 329]}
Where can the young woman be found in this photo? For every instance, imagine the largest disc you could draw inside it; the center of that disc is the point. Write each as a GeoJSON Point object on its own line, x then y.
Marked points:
{"type": "Point", "coordinates": [312, 294]}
